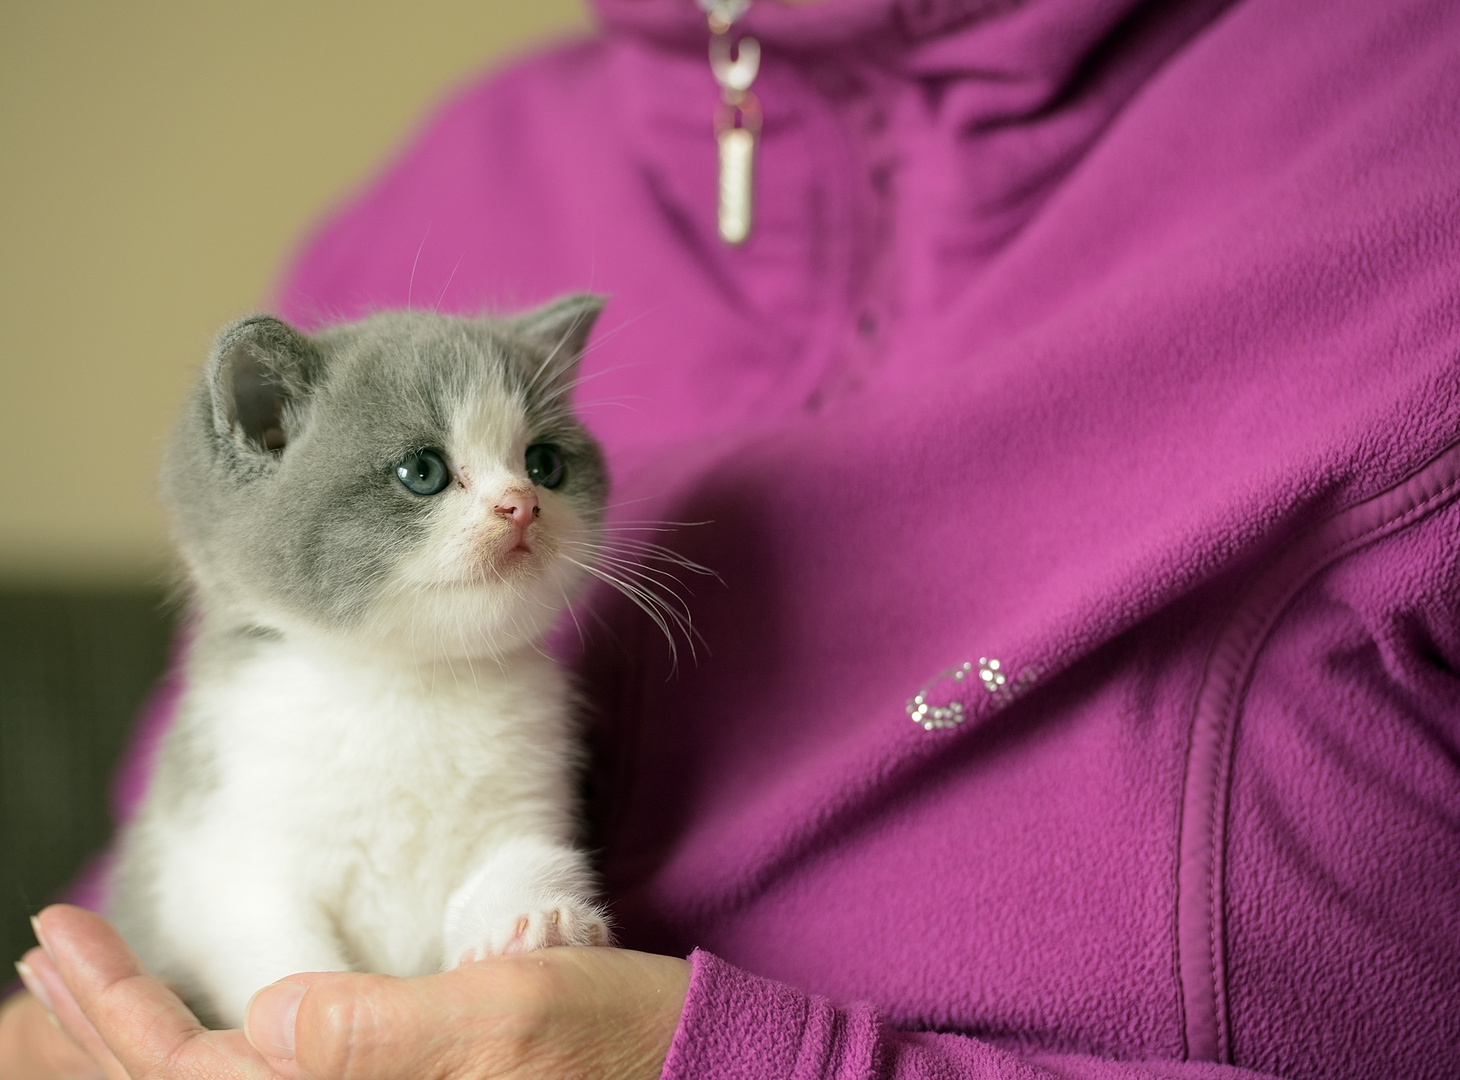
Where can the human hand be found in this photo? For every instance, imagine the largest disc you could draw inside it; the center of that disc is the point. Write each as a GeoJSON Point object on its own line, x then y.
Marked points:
{"type": "Point", "coordinates": [564, 1012]}
{"type": "Point", "coordinates": [33, 1048]}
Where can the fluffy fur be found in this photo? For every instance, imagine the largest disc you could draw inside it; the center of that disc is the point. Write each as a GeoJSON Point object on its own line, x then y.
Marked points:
{"type": "Point", "coordinates": [374, 763]}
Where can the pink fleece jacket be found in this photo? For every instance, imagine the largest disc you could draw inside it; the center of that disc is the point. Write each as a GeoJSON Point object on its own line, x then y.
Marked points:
{"type": "Point", "coordinates": [1115, 342]}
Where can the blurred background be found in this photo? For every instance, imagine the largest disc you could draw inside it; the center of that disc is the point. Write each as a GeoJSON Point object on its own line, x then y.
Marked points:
{"type": "Point", "coordinates": [158, 162]}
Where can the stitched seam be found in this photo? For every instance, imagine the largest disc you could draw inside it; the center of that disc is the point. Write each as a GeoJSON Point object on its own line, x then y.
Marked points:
{"type": "Point", "coordinates": [1235, 696]}
{"type": "Point", "coordinates": [1251, 636]}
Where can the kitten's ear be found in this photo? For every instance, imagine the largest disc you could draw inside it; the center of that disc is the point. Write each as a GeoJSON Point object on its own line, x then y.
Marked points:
{"type": "Point", "coordinates": [260, 367]}
{"type": "Point", "coordinates": [560, 328]}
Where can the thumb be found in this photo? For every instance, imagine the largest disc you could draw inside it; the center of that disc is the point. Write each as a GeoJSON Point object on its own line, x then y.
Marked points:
{"type": "Point", "coordinates": [349, 1026]}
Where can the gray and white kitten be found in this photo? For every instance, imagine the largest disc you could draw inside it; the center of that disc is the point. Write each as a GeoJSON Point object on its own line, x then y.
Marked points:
{"type": "Point", "coordinates": [373, 764]}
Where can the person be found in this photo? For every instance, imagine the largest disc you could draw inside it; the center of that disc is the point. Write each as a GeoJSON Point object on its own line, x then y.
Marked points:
{"type": "Point", "coordinates": [1077, 438]}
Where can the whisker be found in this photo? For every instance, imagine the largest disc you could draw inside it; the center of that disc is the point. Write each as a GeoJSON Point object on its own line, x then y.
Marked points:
{"type": "Point", "coordinates": [450, 278]}
{"type": "Point", "coordinates": [597, 343]}
{"type": "Point", "coordinates": [607, 335]}
{"type": "Point", "coordinates": [662, 582]}
{"type": "Point", "coordinates": [572, 614]}
{"type": "Point", "coordinates": [647, 549]}
{"type": "Point", "coordinates": [660, 611]}
{"type": "Point", "coordinates": [609, 404]}
{"type": "Point", "coordinates": [552, 355]}
{"type": "Point", "coordinates": [579, 379]}
{"type": "Point", "coordinates": [640, 570]}
{"type": "Point", "coordinates": [411, 284]}
{"type": "Point", "coordinates": [654, 524]}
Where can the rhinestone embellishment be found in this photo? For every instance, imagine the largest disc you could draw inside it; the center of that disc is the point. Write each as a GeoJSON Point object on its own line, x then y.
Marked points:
{"type": "Point", "coordinates": [991, 676]}
{"type": "Point", "coordinates": [932, 717]}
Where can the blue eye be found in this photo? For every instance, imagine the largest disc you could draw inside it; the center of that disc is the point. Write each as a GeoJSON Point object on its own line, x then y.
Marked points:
{"type": "Point", "coordinates": [423, 472]}
{"type": "Point", "coordinates": [545, 465]}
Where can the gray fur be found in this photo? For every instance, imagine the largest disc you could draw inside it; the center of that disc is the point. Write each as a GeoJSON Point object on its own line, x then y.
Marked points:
{"type": "Point", "coordinates": [316, 526]}
{"type": "Point", "coordinates": [280, 483]}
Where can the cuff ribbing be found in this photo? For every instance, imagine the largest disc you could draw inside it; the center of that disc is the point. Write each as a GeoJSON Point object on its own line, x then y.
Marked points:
{"type": "Point", "coordinates": [739, 1026]}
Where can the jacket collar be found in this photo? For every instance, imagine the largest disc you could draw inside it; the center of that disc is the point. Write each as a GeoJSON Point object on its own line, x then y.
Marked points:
{"type": "Point", "coordinates": [827, 24]}
{"type": "Point", "coordinates": [1031, 42]}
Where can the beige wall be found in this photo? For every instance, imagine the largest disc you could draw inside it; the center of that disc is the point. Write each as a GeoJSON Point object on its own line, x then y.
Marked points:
{"type": "Point", "coordinates": [157, 160]}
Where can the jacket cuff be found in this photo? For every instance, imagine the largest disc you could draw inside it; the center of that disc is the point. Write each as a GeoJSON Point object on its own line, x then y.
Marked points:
{"type": "Point", "coordinates": [738, 1026]}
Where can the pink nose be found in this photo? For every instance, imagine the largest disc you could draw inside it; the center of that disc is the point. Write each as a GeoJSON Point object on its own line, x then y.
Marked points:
{"type": "Point", "coordinates": [521, 506]}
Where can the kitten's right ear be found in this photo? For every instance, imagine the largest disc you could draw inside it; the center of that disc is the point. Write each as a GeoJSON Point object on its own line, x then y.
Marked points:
{"type": "Point", "coordinates": [560, 328]}
{"type": "Point", "coordinates": [260, 367]}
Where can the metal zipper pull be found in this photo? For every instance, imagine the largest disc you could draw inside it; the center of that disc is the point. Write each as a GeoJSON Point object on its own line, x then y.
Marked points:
{"type": "Point", "coordinates": [737, 166]}
{"type": "Point", "coordinates": [737, 118]}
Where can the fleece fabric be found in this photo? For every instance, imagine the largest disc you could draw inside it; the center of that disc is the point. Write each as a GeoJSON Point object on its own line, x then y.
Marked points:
{"type": "Point", "coordinates": [1075, 440]}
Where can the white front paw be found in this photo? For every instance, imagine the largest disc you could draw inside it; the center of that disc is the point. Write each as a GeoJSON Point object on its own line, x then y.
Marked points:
{"type": "Point", "coordinates": [569, 923]}
{"type": "Point", "coordinates": [527, 895]}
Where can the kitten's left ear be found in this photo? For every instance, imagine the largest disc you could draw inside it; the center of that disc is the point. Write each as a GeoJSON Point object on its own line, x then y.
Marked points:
{"type": "Point", "coordinates": [560, 328]}
{"type": "Point", "coordinates": [260, 370]}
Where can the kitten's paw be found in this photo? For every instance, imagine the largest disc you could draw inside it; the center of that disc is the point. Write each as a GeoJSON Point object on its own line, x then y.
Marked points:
{"type": "Point", "coordinates": [526, 894]}
{"type": "Point", "coordinates": [566, 924]}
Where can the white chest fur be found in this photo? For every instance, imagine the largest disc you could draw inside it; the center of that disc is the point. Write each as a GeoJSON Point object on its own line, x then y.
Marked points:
{"type": "Point", "coordinates": [323, 809]}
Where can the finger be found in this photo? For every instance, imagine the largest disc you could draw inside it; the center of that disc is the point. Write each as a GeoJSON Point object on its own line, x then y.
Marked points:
{"type": "Point", "coordinates": [32, 1045]}
{"type": "Point", "coordinates": [269, 1020]}
{"type": "Point", "coordinates": [470, 1022]}
{"type": "Point", "coordinates": [52, 991]}
{"type": "Point", "coordinates": [344, 1026]}
{"type": "Point", "coordinates": [144, 1024]}
{"type": "Point", "coordinates": [557, 1012]}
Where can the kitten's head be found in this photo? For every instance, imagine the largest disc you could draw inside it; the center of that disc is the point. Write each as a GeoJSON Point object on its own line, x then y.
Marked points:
{"type": "Point", "coordinates": [411, 478]}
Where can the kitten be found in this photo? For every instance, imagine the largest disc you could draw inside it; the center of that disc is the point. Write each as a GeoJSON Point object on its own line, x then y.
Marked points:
{"type": "Point", "coordinates": [373, 764]}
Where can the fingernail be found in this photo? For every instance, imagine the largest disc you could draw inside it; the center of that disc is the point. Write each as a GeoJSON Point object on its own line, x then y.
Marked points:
{"type": "Point", "coordinates": [35, 925]}
{"type": "Point", "coordinates": [33, 984]}
{"type": "Point", "coordinates": [269, 1019]}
